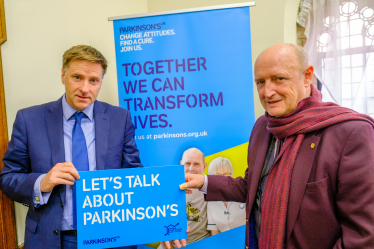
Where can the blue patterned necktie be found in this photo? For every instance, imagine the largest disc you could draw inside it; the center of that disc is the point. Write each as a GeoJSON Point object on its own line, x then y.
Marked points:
{"type": "Point", "coordinates": [80, 156]}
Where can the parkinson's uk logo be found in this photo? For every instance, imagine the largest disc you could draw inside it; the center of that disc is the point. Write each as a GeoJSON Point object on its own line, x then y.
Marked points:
{"type": "Point", "coordinates": [100, 241]}
{"type": "Point", "coordinates": [172, 229]}
{"type": "Point", "coordinates": [145, 27]}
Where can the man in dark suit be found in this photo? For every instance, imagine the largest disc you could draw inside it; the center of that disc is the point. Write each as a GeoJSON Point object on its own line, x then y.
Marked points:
{"type": "Point", "coordinates": [309, 182]}
{"type": "Point", "coordinates": [50, 143]}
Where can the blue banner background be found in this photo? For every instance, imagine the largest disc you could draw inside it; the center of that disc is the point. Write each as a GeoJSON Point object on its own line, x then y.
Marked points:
{"type": "Point", "coordinates": [222, 37]}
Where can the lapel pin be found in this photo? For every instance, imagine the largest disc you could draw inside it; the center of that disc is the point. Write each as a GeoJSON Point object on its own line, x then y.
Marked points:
{"type": "Point", "coordinates": [312, 145]}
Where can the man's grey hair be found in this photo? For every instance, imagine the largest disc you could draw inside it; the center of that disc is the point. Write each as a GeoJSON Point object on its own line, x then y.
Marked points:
{"type": "Point", "coordinates": [301, 55]}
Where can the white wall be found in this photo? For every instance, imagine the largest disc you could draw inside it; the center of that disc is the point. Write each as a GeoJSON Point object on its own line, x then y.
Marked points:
{"type": "Point", "coordinates": [39, 31]}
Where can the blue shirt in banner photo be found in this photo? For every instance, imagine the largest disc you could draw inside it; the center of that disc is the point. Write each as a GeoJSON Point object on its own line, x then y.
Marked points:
{"type": "Point", "coordinates": [130, 206]}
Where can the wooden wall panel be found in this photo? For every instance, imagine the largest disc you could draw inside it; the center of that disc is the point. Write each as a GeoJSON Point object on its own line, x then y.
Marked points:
{"type": "Point", "coordinates": [7, 220]}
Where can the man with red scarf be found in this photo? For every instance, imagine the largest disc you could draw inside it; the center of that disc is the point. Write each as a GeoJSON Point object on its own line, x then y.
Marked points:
{"type": "Point", "coordinates": [310, 176]}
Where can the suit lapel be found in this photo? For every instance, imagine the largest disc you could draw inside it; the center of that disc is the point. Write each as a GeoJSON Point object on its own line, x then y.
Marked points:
{"type": "Point", "coordinates": [260, 154]}
{"type": "Point", "coordinates": [55, 132]}
{"type": "Point", "coordinates": [101, 134]}
{"type": "Point", "coordinates": [300, 176]}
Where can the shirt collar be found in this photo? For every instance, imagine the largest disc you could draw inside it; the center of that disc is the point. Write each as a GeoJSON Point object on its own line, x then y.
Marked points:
{"type": "Point", "coordinates": [69, 111]}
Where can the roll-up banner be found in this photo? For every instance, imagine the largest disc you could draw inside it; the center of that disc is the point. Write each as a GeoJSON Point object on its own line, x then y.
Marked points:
{"type": "Point", "coordinates": [186, 77]}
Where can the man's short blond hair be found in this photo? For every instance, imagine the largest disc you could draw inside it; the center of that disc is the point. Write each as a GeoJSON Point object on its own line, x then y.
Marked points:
{"type": "Point", "coordinates": [86, 53]}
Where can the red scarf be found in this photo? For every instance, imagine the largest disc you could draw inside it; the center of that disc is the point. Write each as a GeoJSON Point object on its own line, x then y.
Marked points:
{"type": "Point", "coordinates": [311, 114]}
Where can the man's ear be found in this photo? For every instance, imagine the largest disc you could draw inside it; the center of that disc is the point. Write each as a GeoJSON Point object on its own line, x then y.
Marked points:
{"type": "Point", "coordinates": [308, 75]}
{"type": "Point", "coordinates": [204, 167]}
{"type": "Point", "coordinates": [181, 162]}
{"type": "Point", "coordinates": [62, 76]}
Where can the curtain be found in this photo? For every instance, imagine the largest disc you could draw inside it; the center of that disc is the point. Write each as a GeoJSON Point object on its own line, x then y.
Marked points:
{"type": "Point", "coordinates": [340, 45]}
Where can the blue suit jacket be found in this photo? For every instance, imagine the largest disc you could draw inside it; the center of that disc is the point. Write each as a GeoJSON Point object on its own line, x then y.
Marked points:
{"type": "Point", "coordinates": [37, 144]}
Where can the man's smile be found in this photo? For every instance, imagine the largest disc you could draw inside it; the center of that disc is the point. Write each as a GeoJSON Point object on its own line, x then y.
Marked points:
{"type": "Point", "coordinates": [273, 102]}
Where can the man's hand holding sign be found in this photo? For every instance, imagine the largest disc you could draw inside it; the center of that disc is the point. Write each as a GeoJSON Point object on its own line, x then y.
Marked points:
{"type": "Point", "coordinates": [61, 173]}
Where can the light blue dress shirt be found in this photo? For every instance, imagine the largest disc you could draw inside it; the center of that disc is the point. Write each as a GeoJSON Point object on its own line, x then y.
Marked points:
{"type": "Point", "coordinates": [88, 126]}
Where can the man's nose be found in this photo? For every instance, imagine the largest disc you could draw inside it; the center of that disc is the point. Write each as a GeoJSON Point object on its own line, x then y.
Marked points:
{"type": "Point", "coordinates": [191, 168]}
{"type": "Point", "coordinates": [268, 89]}
{"type": "Point", "coordinates": [84, 87]}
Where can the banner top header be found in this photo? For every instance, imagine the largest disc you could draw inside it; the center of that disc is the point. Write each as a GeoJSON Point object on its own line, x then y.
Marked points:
{"type": "Point", "coordinates": [226, 6]}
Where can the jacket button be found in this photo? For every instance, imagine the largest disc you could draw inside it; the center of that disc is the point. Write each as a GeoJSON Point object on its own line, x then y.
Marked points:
{"type": "Point", "coordinates": [55, 232]}
{"type": "Point", "coordinates": [62, 204]}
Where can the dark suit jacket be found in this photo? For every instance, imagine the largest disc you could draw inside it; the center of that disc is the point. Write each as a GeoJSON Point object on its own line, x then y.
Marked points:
{"type": "Point", "coordinates": [37, 144]}
{"type": "Point", "coordinates": [331, 202]}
